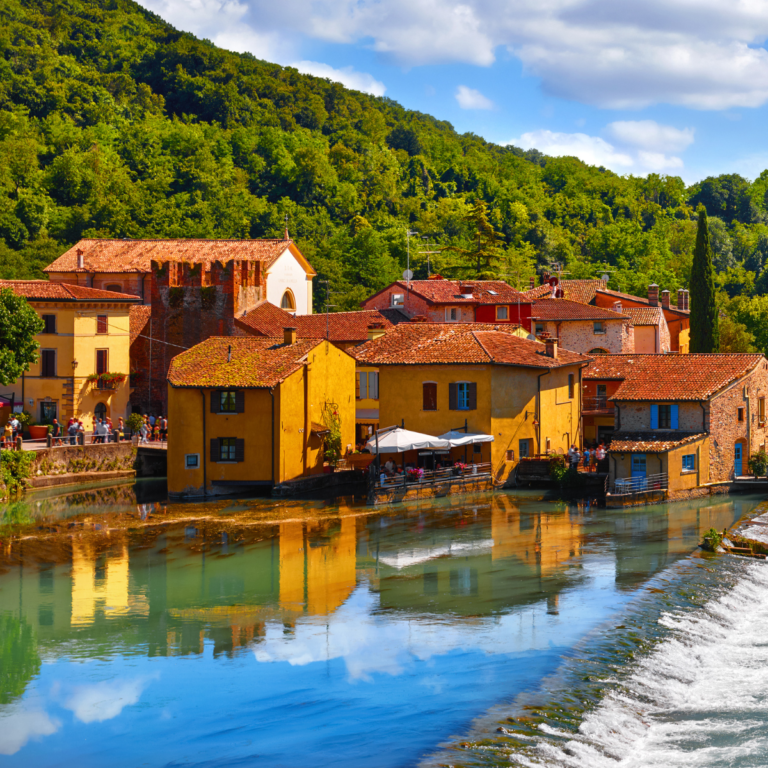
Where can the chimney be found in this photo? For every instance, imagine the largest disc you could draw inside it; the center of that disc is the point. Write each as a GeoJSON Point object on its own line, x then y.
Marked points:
{"type": "Point", "coordinates": [550, 347]}
{"type": "Point", "coordinates": [653, 295]}
{"type": "Point", "coordinates": [544, 278]}
{"type": "Point", "coordinates": [419, 319]}
{"type": "Point", "coordinates": [532, 282]}
{"type": "Point", "coordinates": [289, 335]}
{"type": "Point", "coordinates": [80, 259]}
{"type": "Point", "coordinates": [466, 290]}
{"type": "Point", "coordinates": [544, 336]}
{"type": "Point", "coordinates": [617, 306]}
{"type": "Point", "coordinates": [687, 296]}
{"type": "Point", "coordinates": [665, 299]}
{"type": "Point", "coordinates": [681, 298]}
{"type": "Point", "coordinates": [376, 331]}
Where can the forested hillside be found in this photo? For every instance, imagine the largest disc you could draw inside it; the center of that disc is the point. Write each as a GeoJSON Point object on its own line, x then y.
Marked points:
{"type": "Point", "coordinates": [114, 124]}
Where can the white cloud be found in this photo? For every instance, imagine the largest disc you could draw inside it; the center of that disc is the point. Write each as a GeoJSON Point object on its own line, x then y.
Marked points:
{"type": "Point", "coordinates": [704, 54]}
{"type": "Point", "coordinates": [351, 78]}
{"type": "Point", "coordinates": [103, 701]}
{"type": "Point", "coordinates": [650, 135]}
{"type": "Point", "coordinates": [638, 160]}
{"type": "Point", "coordinates": [18, 726]}
{"type": "Point", "coordinates": [469, 98]}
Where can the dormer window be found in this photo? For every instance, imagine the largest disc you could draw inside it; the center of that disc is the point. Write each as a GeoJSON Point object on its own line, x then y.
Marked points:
{"type": "Point", "coordinates": [398, 299]}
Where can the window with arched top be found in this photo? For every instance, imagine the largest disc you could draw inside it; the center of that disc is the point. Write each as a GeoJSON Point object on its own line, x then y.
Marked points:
{"type": "Point", "coordinates": [116, 287]}
{"type": "Point", "coordinates": [598, 351]}
{"type": "Point", "coordinates": [288, 302]}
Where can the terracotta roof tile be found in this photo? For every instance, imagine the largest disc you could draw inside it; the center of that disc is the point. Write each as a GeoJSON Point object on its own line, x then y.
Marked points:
{"type": "Point", "coordinates": [563, 309]}
{"type": "Point", "coordinates": [439, 291]}
{"type": "Point", "coordinates": [644, 315]}
{"type": "Point", "coordinates": [256, 362]}
{"type": "Point", "coordinates": [671, 377]}
{"type": "Point", "coordinates": [395, 315]}
{"type": "Point", "coordinates": [43, 290]}
{"type": "Point", "coordinates": [574, 290]}
{"type": "Point", "coordinates": [137, 255]}
{"type": "Point", "coordinates": [139, 317]}
{"type": "Point", "coordinates": [462, 343]}
{"type": "Point", "coordinates": [268, 320]}
{"type": "Point", "coordinates": [651, 442]}
{"type": "Point", "coordinates": [639, 299]}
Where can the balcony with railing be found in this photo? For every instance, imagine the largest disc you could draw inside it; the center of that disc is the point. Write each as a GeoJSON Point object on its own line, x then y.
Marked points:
{"type": "Point", "coordinates": [624, 486]}
{"type": "Point", "coordinates": [600, 404]}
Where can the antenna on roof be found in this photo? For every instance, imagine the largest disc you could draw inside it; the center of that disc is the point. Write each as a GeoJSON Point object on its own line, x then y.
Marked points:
{"type": "Point", "coordinates": [286, 227]}
{"type": "Point", "coordinates": [427, 253]}
{"type": "Point", "coordinates": [328, 304]}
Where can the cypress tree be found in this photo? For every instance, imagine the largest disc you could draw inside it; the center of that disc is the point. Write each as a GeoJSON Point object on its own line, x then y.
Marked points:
{"type": "Point", "coordinates": [705, 332]}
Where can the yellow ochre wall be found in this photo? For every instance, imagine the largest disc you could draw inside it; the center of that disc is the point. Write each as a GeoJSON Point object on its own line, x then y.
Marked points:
{"type": "Point", "coordinates": [76, 339]}
{"type": "Point", "coordinates": [328, 376]}
{"type": "Point", "coordinates": [506, 406]}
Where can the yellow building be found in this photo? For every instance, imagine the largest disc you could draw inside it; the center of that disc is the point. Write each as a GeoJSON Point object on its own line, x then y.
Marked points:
{"type": "Point", "coordinates": [86, 335]}
{"type": "Point", "coordinates": [434, 377]}
{"type": "Point", "coordinates": [252, 411]}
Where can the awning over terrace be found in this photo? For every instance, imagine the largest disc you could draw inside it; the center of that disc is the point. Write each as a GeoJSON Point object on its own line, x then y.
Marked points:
{"type": "Point", "coordinates": [458, 439]}
{"type": "Point", "coordinates": [399, 440]}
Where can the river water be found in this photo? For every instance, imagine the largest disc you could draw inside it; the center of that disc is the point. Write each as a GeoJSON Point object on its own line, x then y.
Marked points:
{"type": "Point", "coordinates": [255, 632]}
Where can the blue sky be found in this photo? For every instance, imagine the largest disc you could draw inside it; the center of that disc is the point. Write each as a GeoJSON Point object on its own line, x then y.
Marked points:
{"type": "Point", "coordinates": [666, 86]}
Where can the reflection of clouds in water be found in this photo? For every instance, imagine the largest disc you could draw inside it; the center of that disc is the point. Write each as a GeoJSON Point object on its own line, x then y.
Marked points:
{"type": "Point", "coordinates": [102, 701]}
{"type": "Point", "coordinates": [369, 644]}
{"type": "Point", "coordinates": [18, 726]}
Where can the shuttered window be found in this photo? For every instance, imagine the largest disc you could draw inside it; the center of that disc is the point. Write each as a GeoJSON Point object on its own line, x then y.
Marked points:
{"type": "Point", "coordinates": [429, 396]}
{"type": "Point", "coordinates": [102, 361]}
{"type": "Point", "coordinates": [229, 449]}
{"type": "Point", "coordinates": [48, 363]}
{"type": "Point", "coordinates": [50, 323]}
{"type": "Point", "coordinates": [373, 385]}
{"type": "Point", "coordinates": [462, 396]}
{"type": "Point", "coordinates": [101, 324]}
{"type": "Point", "coordinates": [227, 401]}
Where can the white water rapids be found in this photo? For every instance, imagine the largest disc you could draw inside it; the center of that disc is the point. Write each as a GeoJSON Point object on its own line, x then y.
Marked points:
{"type": "Point", "coordinates": [699, 698]}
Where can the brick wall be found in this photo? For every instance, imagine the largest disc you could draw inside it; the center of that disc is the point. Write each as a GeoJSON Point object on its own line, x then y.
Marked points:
{"type": "Point", "coordinates": [414, 305]}
{"type": "Point", "coordinates": [580, 336]}
{"type": "Point", "coordinates": [637, 417]}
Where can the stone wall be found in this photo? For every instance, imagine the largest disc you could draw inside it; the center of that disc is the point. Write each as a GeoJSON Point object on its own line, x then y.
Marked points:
{"type": "Point", "coordinates": [76, 459]}
{"type": "Point", "coordinates": [580, 336]}
{"type": "Point", "coordinates": [636, 417]}
{"type": "Point", "coordinates": [414, 305]}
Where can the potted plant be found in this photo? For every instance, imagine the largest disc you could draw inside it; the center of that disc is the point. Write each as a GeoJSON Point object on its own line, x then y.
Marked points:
{"type": "Point", "coordinates": [459, 467]}
{"type": "Point", "coordinates": [758, 464]}
{"type": "Point", "coordinates": [415, 474]}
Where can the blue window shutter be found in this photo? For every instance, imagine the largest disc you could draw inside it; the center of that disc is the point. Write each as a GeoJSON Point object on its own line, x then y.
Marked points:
{"type": "Point", "coordinates": [673, 417]}
{"type": "Point", "coordinates": [654, 416]}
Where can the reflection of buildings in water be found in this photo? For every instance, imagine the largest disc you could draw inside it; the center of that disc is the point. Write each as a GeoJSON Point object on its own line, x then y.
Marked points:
{"type": "Point", "coordinates": [102, 581]}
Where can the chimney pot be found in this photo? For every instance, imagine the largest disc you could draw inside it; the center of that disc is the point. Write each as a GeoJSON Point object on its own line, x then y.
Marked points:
{"type": "Point", "coordinates": [550, 347]}
{"type": "Point", "coordinates": [617, 306]}
{"type": "Point", "coordinates": [532, 282]}
{"type": "Point", "coordinates": [376, 331]}
{"type": "Point", "coordinates": [653, 295]}
{"type": "Point", "coordinates": [687, 298]}
{"type": "Point", "coordinates": [80, 259]}
{"type": "Point", "coordinates": [681, 298]}
{"type": "Point", "coordinates": [289, 335]}
{"type": "Point", "coordinates": [665, 299]}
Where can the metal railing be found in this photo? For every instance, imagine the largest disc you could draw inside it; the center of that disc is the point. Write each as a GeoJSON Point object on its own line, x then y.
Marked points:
{"type": "Point", "coordinates": [625, 485]}
{"type": "Point", "coordinates": [593, 404]}
{"type": "Point", "coordinates": [430, 477]}
{"type": "Point", "coordinates": [67, 441]}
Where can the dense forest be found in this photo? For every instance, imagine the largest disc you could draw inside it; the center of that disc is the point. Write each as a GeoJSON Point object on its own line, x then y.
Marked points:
{"type": "Point", "coordinates": [114, 124]}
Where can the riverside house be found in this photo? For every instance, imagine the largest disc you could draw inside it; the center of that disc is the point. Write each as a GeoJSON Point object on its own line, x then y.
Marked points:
{"type": "Point", "coordinates": [684, 420]}
{"type": "Point", "coordinates": [435, 377]}
{"type": "Point", "coordinates": [253, 411]}
{"type": "Point", "coordinates": [84, 355]}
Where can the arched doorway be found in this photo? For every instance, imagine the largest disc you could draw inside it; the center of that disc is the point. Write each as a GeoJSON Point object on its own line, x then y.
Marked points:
{"type": "Point", "coordinates": [288, 303]}
{"type": "Point", "coordinates": [100, 411]}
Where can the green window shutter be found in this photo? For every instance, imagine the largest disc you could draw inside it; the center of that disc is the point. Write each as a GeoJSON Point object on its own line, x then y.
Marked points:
{"type": "Point", "coordinates": [453, 397]}
{"type": "Point", "coordinates": [240, 401]}
{"type": "Point", "coordinates": [239, 450]}
{"type": "Point", "coordinates": [215, 449]}
{"type": "Point", "coordinates": [215, 401]}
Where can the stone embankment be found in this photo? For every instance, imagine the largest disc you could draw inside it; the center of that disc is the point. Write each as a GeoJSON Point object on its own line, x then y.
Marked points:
{"type": "Point", "coordinates": [76, 464]}
{"type": "Point", "coordinates": [748, 538]}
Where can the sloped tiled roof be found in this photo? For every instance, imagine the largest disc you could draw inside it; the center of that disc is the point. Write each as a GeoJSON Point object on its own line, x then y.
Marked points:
{"type": "Point", "coordinates": [563, 309]}
{"type": "Point", "coordinates": [651, 442]}
{"type": "Point", "coordinates": [671, 377]}
{"type": "Point", "coordinates": [395, 315]}
{"type": "Point", "coordinates": [137, 255]}
{"type": "Point", "coordinates": [139, 317]}
{"type": "Point", "coordinates": [43, 290]}
{"type": "Point", "coordinates": [256, 362]}
{"type": "Point", "coordinates": [462, 343]}
{"type": "Point", "coordinates": [644, 315]}
{"type": "Point", "coordinates": [440, 291]}
{"type": "Point", "coordinates": [573, 290]}
{"type": "Point", "coordinates": [268, 320]}
{"type": "Point", "coordinates": [638, 299]}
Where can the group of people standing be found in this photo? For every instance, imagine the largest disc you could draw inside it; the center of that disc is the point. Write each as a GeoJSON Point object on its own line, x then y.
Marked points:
{"type": "Point", "coordinates": [154, 429]}
{"type": "Point", "coordinates": [589, 457]}
{"type": "Point", "coordinates": [12, 429]}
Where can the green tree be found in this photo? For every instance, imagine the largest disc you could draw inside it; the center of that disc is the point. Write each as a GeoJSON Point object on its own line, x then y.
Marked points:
{"type": "Point", "coordinates": [735, 337]}
{"type": "Point", "coordinates": [485, 254]}
{"type": "Point", "coordinates": [19, 324]}
{"type": "Point", "coordinates": [705, 335]}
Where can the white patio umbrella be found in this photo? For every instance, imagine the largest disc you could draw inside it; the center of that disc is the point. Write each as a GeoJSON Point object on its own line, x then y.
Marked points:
{"type": "Point", "coordinates": [398, 440]}
{"type": "Point", "coordinates": [458, 439]}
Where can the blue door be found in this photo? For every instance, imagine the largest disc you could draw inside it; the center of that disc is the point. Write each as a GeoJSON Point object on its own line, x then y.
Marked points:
{"type": "Point", "coordinates": [737, 460]}
{"type": "Point", "coordinates": [638, 465]}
